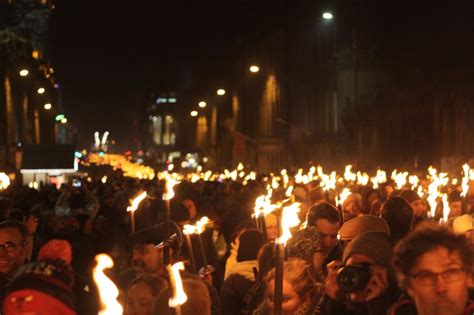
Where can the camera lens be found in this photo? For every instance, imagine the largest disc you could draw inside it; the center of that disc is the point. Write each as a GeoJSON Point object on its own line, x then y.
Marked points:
{"type": "Point", "coordinates": [353, 278]}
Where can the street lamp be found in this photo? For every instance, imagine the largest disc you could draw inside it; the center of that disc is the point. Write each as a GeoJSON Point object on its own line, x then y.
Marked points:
{"type": "Point", "coordinates": [64, 120]}
{"type": "Point", "coordinates": [220, 92]}
{"type": "Point", "coordinates": [47, 106]}
{"type": "Point", "coordinates": [328, 16]}
{"type": "Point", "coordinates": [202, 104]}
{"type": "Point", "coordinates": [24, 72]}
{"type": "Point", "coordinates": [194, 113]}
{"type": "Point", "coordinates": [41, 90]}
{"type": "Point", "coordinates": [254, 69]}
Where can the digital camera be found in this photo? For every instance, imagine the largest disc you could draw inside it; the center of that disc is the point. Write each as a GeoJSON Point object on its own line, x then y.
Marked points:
{"type": "Point", "coordinates": [353, 277]}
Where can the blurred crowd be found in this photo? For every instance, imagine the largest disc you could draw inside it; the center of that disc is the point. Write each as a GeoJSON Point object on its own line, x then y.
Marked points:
{"type": "Point", "coordinates": [380, 251]}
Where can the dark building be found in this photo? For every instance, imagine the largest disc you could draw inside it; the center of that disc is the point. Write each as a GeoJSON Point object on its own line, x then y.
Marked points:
{"type": "Point", "coordinates": [355, 89]}
{"type": "Point", "coordinates": [30, 99]}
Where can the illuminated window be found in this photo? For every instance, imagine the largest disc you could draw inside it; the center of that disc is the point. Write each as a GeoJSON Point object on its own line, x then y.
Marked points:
{"type": "Point", "coordinates": [169, 135]}
{"type": "Point", "coordinates": [157, 125]}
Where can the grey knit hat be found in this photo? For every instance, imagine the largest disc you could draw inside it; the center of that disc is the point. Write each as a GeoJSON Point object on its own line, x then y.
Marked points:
{"type": "Point", "coordinates": [304, 244]}
{"type": "Point", "coordinates": [376, 245]}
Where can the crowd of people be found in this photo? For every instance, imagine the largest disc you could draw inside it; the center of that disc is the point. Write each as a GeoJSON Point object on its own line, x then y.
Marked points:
{"type": "Point", "coordinates": [379, 252]}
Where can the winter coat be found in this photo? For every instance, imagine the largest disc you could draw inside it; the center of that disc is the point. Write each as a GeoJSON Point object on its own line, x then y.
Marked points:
{"type": "Point", "coordinates": [240, 280]}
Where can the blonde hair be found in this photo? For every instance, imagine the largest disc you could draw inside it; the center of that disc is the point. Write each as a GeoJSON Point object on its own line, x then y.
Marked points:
{"type": "Point", "coordinates": [296, 272]}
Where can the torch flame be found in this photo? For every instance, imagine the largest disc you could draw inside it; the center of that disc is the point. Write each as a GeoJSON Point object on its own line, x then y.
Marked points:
{"type": "Point", "coordinates": [289, 219]}
{"type": "Point", "coordinates": [348, 175]}
{"type": "Point", "coordinates": [179, 296]}
{"type": "Point", "coordinates": [136, 202]}
{"type": "Point", "coordinates": [465, 180]}
{"type": "Point", "coordinates": [446, 208]}
{"type": "Point", "coordinates": [107, 290]}
{"type": "Point", "coordinates": [198, 228]}
{"type": "Point", "coordinates": [4, 181]}
{"type": "Point", "coordinates": [289, 191]}
{"type": "Point", "coordinates": [343, 196]}
{"type": "Point", "coordinates": [414, 181]}
{"type": "Point", "coordinates": [399, 178]}
{"type": "Point", "coordinates": [168, 194]}
{"type": "Point", "coordinates": [263, 205]}
{"type": "Point", "coordinates": [362, 178]}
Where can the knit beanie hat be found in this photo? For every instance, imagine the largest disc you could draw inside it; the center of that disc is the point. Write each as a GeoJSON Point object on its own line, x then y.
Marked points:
{"type": "Point", "coordinates": [376, 245]}
{"type": "Point", "coordinates": [304, 244]}
{"type": "Point", "coordinates": [45, 286]}
{"type": "Point", "coordinates": [250, 243]}
{"type": "Point", "coordinates": [399, 216]}
{"type": "Point", "coordinates": [363, 224]}
{"type": "Point", "coordinates": [410, 195]}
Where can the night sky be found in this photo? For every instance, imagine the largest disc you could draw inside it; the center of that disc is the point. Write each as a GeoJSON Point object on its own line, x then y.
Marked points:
{"type": "Point", "coordinates": [108, 53]}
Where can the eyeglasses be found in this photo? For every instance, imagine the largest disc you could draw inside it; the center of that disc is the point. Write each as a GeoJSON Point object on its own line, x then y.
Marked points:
{"type": "Point", "coordinates": [427, 278]}
{"type": "Point", "coordinates": [9, 246]}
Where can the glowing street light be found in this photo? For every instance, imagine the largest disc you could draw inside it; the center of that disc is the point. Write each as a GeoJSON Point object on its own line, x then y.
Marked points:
{"type": "Point", "coordinates": [220, 92]}
{"type": "Point", "coordinates": [24, 72]}
{"type": "Point", "coordinates": [194, 113]}
{"type": "Point", "coordinates": [64, 120]}
{"type": "Point", "coordinates": [328, 16]}
{"type": "Point", "coordinates": [202, 104]}
{"type": "Point", "coordinates": [41, 90]}
{"type": "Point", "coordinates": [254, 69]}
{"type": "Point", "coordinates": [47, 106]}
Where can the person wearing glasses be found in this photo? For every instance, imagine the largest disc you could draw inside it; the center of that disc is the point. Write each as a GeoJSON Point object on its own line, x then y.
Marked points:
{"type": "Point", "coordinates": [433, 265]}
{"type": "Point", "coordinates": [13, 235]}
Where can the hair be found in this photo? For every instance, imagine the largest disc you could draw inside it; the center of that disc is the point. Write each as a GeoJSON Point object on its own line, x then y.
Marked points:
{"type": "Point", "coordinates": [398, 214]}
{"type": "Point", "coordinates": [17, 214]}
{"type": "Point", "coordinates": [316, 194]}
{"type": "Point", "coordinates": [426, 237]}
{"type": "Point", "coordinates": [323, 211]}
{"type": "Point", "coordinates": [297, 272]}
{"type": "Point", "coordinates": [266, 258]}
{"type": "Point", "coordinates": [15, 224]}
{"type": "Point", "coordinates": [155, 283]}
{"type": "Point", "coordinates": [198, 303]}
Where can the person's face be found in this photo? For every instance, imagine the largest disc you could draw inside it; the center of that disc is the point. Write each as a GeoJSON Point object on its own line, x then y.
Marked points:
{"type": "Point", "coordinates": [14, 257]}
{"type": "Point", "coordinates": [188, 203]}
{"type": "Point", "coordinates": [139, 300]}
{"type": "Point", "coordinates": [361, 295]}
{"type": "Point", "coordinates": [328, 232]}
{"type": "Point", "coordinates": [350, 210]}
{"type": "Point", "coordinates": [442, 297]}
{"type": "Point", "coordinates": [148, 258]}
{"type": "Point", "coordinates": [419, 208]}
{"type": "Point", "coordinates": [455, 208]}
{"type": "Point", "coordinates": [271, 227]}
{"type": "Point", "coordinates": [290, 298]}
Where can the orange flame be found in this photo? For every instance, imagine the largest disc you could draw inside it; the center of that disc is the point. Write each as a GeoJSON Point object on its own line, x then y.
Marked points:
{"type": "Point", "coordinates": [343, 196]}
{"type": "Point", "coordinates": [107, 290]}
{"type": "Point", "coordinates": [198, 228]}
{"type": "Point", "coordinates": [168, 194]}
{"type": "Point", "coordinates": [136, 202]}
{"type": "Point", "coordinates": [179, 296]}
{"type": "Point", "coordinates": [289, 219]}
